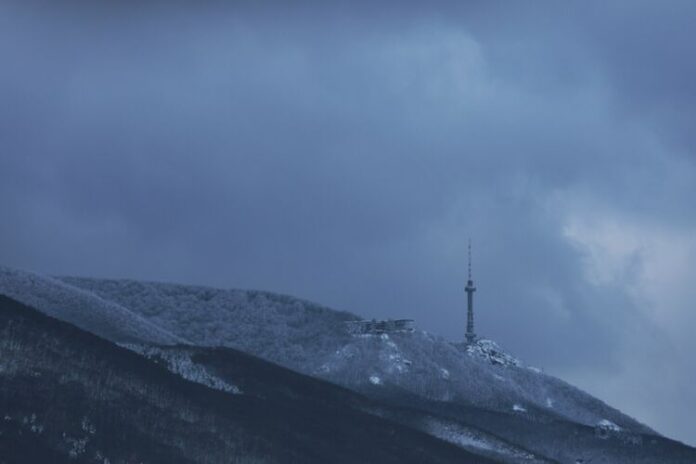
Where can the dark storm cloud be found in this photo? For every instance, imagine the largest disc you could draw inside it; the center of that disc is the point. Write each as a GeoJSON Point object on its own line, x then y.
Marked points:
{"type": "Point", "coordinates": [345, 153]}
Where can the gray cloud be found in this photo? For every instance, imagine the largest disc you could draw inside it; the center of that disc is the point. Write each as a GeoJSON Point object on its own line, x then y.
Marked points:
{"type": "Point", "coordinates": [345, 153]}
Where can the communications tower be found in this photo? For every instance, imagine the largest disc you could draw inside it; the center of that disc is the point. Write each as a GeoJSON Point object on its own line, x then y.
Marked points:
{"type": "Point", "coordinates": [470, 289]}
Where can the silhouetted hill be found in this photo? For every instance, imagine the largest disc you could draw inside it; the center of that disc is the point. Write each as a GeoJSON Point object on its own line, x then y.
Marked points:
{"type": "Point", "coordinates": [68, 393]}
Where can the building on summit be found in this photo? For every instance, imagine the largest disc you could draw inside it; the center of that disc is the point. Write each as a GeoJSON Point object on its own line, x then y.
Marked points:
{"type": "Point", "coordinates": [376, 327]}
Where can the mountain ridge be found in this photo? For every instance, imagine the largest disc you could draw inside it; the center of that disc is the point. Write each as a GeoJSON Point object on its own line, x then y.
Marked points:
{"type": "Point", "coordinates": [469, 392]}
{"type": "Point", "coordinates": [103, 317]}
{"type": "Point", "coordinates": [80, 396]}
{"type": "Point", "coordinates": [262, 323]}
{"type": "Point", "coordinates": [312, 339]}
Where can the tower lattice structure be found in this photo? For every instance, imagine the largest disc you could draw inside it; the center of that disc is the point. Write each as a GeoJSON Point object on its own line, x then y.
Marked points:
{"type": "Point", "coordinates": [470, 289]}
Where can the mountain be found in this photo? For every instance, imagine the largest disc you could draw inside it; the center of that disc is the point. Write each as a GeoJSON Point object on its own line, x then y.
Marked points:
{"type": "Point", "coordinates": [67, 395]}
{"type": "Point", "coordinates": [313, 339]}
{"type": "Point", "coordinates": [85, 309]}
{"type": "Point", "coordinates": [477, 397]}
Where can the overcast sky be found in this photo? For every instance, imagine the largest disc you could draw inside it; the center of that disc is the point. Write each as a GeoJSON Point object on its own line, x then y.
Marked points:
{"type": "Point", "coordinates": [346, 153]}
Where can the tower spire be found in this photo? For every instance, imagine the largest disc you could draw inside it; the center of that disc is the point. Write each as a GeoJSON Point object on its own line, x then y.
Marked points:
{"type": "Point", "coordinates": [469, 258]}
{"type": "Point", "coordinates": [470, 289]}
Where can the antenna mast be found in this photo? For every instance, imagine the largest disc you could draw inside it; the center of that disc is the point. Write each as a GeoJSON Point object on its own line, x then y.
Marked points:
{"type": "Point", "coordinates": [469, 259]}
{"type": "Point", "coordinates": [470, 289]}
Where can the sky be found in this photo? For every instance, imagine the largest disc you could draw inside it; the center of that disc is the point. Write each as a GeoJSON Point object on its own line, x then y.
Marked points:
{"type": "Point", "coordinates": [345, 152]}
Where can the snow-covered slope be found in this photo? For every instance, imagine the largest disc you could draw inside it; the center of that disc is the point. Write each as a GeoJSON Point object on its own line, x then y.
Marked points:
{"type": "Point", "coordinates": [280, 328]}
{"type": "Point", "coordinates": [477, 396]}
{"type": "Point", "coordinates": [428, 366]}
{"type": "Point", "coordinates": [85, 309]}
{"type": "Point", "coordinates": [67, 396]}
{"type": "Point", "coordinates": [312, 339]}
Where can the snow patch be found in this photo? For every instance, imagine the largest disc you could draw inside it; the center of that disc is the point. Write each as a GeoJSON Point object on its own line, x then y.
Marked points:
{"type": "Point", "coordinates": [472, 439]}
{"type": "Point", "coordinates": [605, 429]}
{"type": "Point", "coordinates": [77, 445]}
{"type": "Point", "coordinates": [87, 426]}
{"type": "Point", "coordinates": [30, 422]}
{"type": "Point", "coordinates": [609, 425]}
{"type": "Point", "coordinates": [180, 363]}
{"type": "Point", "coordinates": [324, 368]}
{"type": "Point", "coordinates": [458, 435]}
{"type": "Point", "coordinates": [99, 457]}
{"type": "Point", "coordinates": [488, 350]}
{"type": "Point", "coordinates": [518, 408]}
{"type": "Point", "coordinates": [391, 358]}
{"type": "Point", "coordinates": [374, 380]}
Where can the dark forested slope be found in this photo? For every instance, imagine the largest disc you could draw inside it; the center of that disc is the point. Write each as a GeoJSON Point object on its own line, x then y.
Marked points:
{"type": "Point", "coordinates": [68, 394]}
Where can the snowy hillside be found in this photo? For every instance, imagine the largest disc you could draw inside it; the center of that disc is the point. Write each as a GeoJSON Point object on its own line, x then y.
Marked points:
{"type": "Point", "coordinates": [87, 310]}
{"type": "Point", "coordinates": [280, 328]}
{"type": "Point", "coordinates": [68, 396]}
{"type": "Point", "coordinates": [478, 397]}
{"type": "Point", "coordinates": [428, 366]}
{"type": "Point", "coordinates": [312, 339]}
